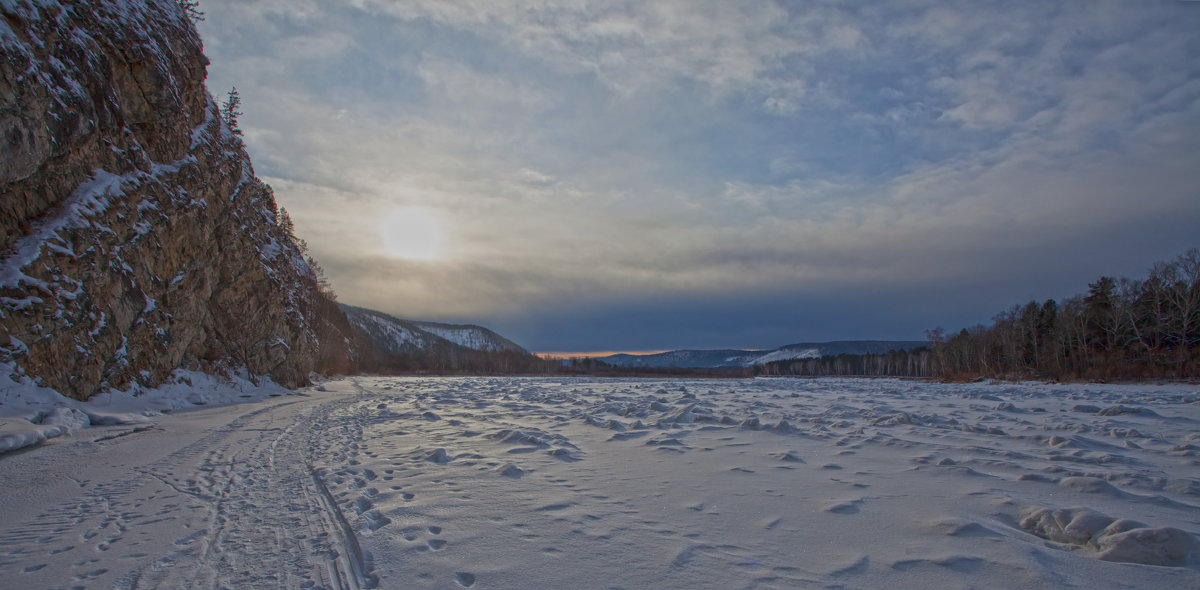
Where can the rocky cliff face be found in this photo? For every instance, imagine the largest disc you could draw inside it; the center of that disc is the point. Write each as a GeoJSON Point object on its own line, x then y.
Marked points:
{"type": "Point", "coordinates": [135, 237]}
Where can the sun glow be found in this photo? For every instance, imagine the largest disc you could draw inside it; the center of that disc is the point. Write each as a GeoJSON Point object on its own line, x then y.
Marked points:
{"type": "Point", "coordinates": [412, 233]}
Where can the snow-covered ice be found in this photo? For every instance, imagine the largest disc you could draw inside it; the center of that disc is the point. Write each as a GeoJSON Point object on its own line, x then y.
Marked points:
{"type": "Point", "coordinates": [639, 483]}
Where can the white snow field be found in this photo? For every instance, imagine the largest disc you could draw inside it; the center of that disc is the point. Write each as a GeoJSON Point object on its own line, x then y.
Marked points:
{"type": "Point", "coordinates": [640, 483]}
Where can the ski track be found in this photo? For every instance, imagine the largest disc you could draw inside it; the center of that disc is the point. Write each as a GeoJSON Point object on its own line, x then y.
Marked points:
{"type": "Point", "coordinates": [514, 483]}
{"type": "Point", "coordinates": [243, 505]}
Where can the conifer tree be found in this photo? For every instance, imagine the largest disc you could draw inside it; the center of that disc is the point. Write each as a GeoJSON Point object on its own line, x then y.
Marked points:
{"type": "Point", "coordinates": [190, 9]}
{"type": "Point", "coordinates": [1100, 310]}
{"type": "Point", "coordinates": [286, 224]}
{"type": "Point", "coordinates": [230, 112]}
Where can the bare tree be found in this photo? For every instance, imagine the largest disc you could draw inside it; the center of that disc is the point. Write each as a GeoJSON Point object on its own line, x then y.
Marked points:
{"type": "Point", "coordinates": [1179, 281]}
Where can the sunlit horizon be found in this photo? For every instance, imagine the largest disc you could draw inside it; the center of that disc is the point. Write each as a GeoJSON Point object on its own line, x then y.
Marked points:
{"type": "Point", "coordinates": [707, 174]}
{"type": "Point", "coordinates": [595, 354]}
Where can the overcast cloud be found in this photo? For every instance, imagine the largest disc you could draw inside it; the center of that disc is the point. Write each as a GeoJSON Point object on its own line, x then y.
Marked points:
{"type": "Point", "coordinates": [645, 175]}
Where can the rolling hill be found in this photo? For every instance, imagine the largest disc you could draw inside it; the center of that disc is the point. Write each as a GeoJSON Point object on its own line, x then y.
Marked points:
{"type": "Point", "coordinates": [392, 335]}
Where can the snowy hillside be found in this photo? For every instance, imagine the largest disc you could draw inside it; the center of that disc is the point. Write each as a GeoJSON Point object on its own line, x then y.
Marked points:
{"type": "Point", "coordinates": [473, 337]}
{"type": "Point", "coordinates": [711, 359]}
{"type": "Point", "coordinates": [387, 333]}
{"type": "Point", "coordinates": [392, 335]}
{"type": "Point", "coordinates": [787, 354]}
{"type": "Point", "coordinates": [687, 359]}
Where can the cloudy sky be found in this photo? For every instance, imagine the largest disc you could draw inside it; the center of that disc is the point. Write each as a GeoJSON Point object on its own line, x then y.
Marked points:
{"type": "Point", "coordinates": [590, 175]}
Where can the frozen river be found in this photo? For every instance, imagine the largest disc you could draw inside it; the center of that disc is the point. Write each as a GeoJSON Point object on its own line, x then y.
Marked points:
{"type": "Point", "coordinates": [640, 483]}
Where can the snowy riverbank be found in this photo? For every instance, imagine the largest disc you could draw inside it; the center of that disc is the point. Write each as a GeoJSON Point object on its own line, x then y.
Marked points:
{"type": "Point", "coordinates": [30, 414]}
{"type": "Point", "coordinates": [587, 483]}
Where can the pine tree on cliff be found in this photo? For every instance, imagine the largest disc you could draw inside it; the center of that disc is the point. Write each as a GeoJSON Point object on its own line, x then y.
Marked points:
{"type": "Point", "coordinates": [286, 224]}
{"type": "Point", "coordinates": [190, 9]}
{"type": "Point", "coordinates": [230, 112]}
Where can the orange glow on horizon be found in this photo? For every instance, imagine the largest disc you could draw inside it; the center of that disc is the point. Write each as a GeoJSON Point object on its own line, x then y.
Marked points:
{"type": "Point", "coordinates": [595, 354]}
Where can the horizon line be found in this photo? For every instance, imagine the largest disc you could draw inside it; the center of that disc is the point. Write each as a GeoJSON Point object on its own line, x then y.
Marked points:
{"type": "Point", "coordinates": [558, 355]}
{"type": "Point", "coordinates": [602, 353]}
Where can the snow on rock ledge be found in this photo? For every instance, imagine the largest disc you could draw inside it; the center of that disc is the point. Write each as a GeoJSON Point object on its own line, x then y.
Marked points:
{"type": "Point", "coordinates": [134, 237]}
{"type": "Point", "coordinates": [30, 414]}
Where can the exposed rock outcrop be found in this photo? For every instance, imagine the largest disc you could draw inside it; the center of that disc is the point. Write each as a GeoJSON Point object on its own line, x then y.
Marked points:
{"type": "Point", "coordinates": [135, 237]}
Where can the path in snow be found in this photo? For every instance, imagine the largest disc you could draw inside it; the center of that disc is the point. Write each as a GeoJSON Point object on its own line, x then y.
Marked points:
{"type": "Point", "coordinates": [222, 498]}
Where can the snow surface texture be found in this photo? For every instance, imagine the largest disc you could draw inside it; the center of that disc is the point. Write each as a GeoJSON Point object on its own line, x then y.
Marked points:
{"type": "Point", "coordinates": [583, 483]}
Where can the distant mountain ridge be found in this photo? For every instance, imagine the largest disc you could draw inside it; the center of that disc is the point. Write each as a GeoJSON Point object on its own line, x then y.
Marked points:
{"type": "Point", "coordinates": [393, 335]}
{"type": "Point", "coordinates": [712, 359]}
{"type": "Point", "coordinates": [430, 343]}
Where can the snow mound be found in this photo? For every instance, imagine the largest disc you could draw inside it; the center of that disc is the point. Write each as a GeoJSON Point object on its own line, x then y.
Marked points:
{"type": "Point", "coordinates": [1111, 539]}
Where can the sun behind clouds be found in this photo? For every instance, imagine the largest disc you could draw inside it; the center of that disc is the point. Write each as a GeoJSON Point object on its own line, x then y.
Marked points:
{"type": "Point", "coordinates": [412, 233]}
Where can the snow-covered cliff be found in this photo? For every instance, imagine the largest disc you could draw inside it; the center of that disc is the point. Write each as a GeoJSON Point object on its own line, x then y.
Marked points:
{"type": "Point", "coordinates": [135, 236]}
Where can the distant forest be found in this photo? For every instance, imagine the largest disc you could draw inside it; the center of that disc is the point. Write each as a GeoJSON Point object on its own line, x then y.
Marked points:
{"type": "Point", "coordinates": [447, 360]}
{"type": "Point", "coordinates": [443, 359]}
{"type": "Point", "coordinates": [1122, 329]}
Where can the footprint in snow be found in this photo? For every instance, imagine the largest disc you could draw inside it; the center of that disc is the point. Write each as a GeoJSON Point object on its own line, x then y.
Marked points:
{"type": "Point", "coordinates": [848, 507]}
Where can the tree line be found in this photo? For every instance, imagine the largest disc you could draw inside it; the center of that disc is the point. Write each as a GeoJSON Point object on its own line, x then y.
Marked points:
{"type": "Point", "coordinates": [448, 359]}
{"type": "Point", "coordinates": [917, 362]}
{"type": "Point", "coordinates": [1120, 329]}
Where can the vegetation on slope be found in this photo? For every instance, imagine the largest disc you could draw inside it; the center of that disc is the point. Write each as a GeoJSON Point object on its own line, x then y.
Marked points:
{"type": "Point", "coordinates": [1120, 329]}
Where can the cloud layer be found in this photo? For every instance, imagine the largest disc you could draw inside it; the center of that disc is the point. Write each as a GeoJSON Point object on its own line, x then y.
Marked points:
{"type": "Point", "coordinates": [686, 173]}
